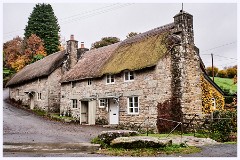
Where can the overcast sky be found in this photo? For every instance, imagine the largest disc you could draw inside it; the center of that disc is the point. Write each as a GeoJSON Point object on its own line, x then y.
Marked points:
{"type": "Point", "coordinates": [215, 25]}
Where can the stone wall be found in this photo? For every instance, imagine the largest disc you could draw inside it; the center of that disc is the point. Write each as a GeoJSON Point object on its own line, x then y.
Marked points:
{"type": "Point", "coordinates": [54, 89]}
{"type": "Point", "coordinates": [49, 88]}
{"type": "Point", "coordinates": [151, 85]}
{"type": "Point", "coordinates": [21, 92]}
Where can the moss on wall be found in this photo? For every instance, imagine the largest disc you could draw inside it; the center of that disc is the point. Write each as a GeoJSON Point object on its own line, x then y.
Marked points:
{"type": "Point", "coordinates": [209, 92]}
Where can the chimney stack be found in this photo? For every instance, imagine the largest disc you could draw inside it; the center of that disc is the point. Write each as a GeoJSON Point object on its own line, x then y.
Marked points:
{"type": "Point", "coordinates": [72, 37]}
{"type": "Point", "coordinates": [82, 44]}
{"type": "Point", "coordinates": [71, 50]}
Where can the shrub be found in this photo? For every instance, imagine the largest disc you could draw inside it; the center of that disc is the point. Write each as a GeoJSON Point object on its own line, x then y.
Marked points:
{"type": "Point", "coordinates": [224, 123]}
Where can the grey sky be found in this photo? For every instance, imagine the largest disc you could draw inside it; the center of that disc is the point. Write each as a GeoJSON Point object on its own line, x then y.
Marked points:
{"type": "Point", "coordinates": [214, 24]}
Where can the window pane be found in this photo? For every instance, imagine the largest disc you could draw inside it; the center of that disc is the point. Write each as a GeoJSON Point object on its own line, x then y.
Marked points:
{"type": "Point", "coordinates": [131, 110]}
{"type": "Point", "coordinates": [136, 99]}
{"type": "Point", "coordinates": [136, 110]}
{"type": "Point", "coordinates": [112, 79]}
{"type": "Point", "coordinates": [130, 104]}
{"type": "Point", "coordinates": [130, 99]}
{"type": "Point", "coordinates": [131, 76]}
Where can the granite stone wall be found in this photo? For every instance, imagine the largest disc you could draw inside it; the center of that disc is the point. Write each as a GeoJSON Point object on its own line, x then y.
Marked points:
{"type": "Point", "coordinates": [49, 87]}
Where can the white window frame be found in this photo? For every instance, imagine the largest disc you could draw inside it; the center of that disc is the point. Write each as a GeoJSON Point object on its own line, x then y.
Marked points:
{"type": "Point", "coordinates": [128, 76]}
{"type": "Point", "coordinates": [109, 78]}
{"type": "Point", "coordinates": [133, 102]}
{"type": "Point", "coordinates": [74, 103]}
{"type": "Point", "coordinates": [103, 103]}
{"type": "Point", "coordinates": [39, 96]}
{"type": "Point", "coordinates": [90, 82]}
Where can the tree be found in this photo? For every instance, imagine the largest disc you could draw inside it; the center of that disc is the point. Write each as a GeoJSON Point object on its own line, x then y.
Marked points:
{"type": "Point", "coordinates": [44, 24]}
{"type": "Point", "coordinates": [131, 34]}
{"type": "Point", "coordinates": [222, 74]}
{"type": "Point", "coordinates": [209, 71]}
{"type": "Point", "coordinates": [12, 50]}
{"type": "Point", "coordinates": [17, 54]}
{"type": "Point", "coordinates": [34, 48]}
{"type": "Point", "coordinates": [231, 72]}
{"type": "Point", "coordinates": [105, 41]}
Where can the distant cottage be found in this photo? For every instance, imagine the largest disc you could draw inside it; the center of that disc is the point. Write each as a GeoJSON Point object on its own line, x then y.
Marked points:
{"type": "Point", "coordinates": [152, 76]}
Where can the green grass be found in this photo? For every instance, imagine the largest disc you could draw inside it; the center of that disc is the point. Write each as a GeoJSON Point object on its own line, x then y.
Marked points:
{"type": "Point", "coordinates": [226, 83]}
{"type": "Point", "coordinates": [149, 152]}
{"type": "Point", "coordinates": [56, 116]}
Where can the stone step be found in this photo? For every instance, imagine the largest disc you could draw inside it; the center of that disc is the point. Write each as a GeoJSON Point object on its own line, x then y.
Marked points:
{"type": "Point", "coordinates": [51, 147]}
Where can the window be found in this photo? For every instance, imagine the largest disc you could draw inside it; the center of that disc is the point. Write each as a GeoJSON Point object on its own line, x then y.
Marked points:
{"type": "Point", "coordinates": [128, 76]}
{"type": "Point", "coordinates": [73, 84]}
{"type": "Point", "coordinates": [103, 103]}
{"type": "Point", "coordinates": [39, 96]}
{"type": "Point", "coordinates": [133, 105]}
{"type": "Point", "coordinates": [110, 79]}
{"type": "Point", "coordinates": [74, 103]}
{"type": "Point", "coordinates": [89, 81]}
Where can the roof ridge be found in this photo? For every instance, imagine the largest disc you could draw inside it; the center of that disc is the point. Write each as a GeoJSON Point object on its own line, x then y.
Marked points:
{"type": "Point", "coordinates": [148, 33]}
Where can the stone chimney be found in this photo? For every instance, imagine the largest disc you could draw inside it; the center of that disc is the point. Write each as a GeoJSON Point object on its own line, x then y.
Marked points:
{"type": "Point", "coordinates": [71, 51]}
{"type": "Point", "coordinates": [184, 26]}
{"type": "Point", "coordinates": [82, 44]}
{"type": "Point", "coordinates": [81, 51]}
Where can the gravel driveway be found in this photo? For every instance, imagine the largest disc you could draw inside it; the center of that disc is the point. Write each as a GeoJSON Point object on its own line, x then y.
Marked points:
{"type": "Point", "coordinates": [21, 126]}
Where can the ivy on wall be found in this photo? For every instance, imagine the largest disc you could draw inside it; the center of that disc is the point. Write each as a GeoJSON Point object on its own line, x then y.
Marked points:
{"type": "Point", "coordinates": [209, 92]}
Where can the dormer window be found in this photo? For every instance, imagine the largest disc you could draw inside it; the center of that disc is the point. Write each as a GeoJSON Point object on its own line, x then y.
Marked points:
{"type": "Point", "coordinates": [89, 81]}
{"type": "Point", "coordinates": [128, 76]}
{"type": "Point", "coordinates": [110, 79]}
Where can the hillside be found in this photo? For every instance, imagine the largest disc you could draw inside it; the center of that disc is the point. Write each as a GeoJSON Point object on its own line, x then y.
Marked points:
{"type": "Point", "coordinates": [226, 83]}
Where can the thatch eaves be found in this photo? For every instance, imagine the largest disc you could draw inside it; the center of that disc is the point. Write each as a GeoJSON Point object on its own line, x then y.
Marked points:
{"type": "Point", "coordinates": [41, 68]}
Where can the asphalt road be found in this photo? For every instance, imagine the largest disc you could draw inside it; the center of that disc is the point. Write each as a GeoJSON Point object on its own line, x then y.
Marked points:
{"type": "Point", "coordinates": [20, 126]}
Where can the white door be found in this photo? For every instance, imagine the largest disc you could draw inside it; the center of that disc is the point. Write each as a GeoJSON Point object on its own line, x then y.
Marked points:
{"type": "Point", "coordinates": [113, 112]}
{"type": "Point", "coordinates": [91, 112]}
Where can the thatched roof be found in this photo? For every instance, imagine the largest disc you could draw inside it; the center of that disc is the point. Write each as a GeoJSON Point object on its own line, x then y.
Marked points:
{"type": "Point", "coordinates": [138, 52]}
{"type": "Point", "coordinates": [90, 64]}
{"type": "Point", "coordinates": [40, 68]}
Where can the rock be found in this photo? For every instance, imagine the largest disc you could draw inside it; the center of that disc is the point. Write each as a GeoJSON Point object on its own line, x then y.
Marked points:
{"type": "Point", "coordinates": [140, 142]}
{"type": "Point", "coordinates": [108, 136]}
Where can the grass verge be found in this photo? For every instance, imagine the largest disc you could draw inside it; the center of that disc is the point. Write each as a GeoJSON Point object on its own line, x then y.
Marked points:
{"type": "Point", "coordinates": [149, 152]}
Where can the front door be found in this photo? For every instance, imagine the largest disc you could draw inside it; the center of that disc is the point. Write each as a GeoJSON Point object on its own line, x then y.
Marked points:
{"type": "Point", "coordinates": [113, 112]}
{"type": "Point", "coordinates": [31, 101]}
{"type": "Point", "coordinates": [84, 112]}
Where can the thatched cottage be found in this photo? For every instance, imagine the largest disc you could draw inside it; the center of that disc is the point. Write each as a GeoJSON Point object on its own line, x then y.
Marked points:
{"type": "Point", "coordinates": [155, 74]}
{"type": "Point", "coordinates": [37, 85]}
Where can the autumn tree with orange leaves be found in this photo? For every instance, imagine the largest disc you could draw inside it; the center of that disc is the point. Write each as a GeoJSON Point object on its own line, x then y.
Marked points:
{"type": "Point", "coordinates": [17, 53]}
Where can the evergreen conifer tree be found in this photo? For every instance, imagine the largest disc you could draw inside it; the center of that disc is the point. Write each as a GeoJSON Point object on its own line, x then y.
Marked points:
{"type": "Point", "coordinates": [44, 24]}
